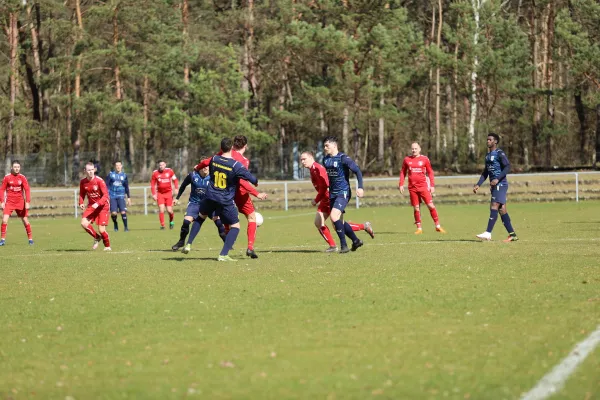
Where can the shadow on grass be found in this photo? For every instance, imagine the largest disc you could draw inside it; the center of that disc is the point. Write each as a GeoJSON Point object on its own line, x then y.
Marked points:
{"type": "Point", "coordinates": [455, 240]}
{"type": "Point", "coordinates": [190, 259]}
{"type": "Point", "coordinates": [293, 251]}
{"type": "Point", "coordinates": [162, 251]}
{"type": "Point", "coordinates": [68, 250]}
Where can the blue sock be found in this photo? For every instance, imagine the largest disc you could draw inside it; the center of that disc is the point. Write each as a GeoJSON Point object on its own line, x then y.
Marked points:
{"type": "Point", "coordinates": [492, 221]}
{"type": "Point", "coordinates": [221, 229]}
{"type": "Point", "coordinates": [195, 229]}
{"type": "Point", "coordinates": [350, 233]}
{"type": "Point", "coordinates": [507, 224]}
{"type": "Point", "coordinates": [124, 218]}
{"type": "Point", "coordinates": [340, 230]}
{"type": "Point", "coordinates": [230, 240]}
{"type": "Point", "coordinates": [185, 229]}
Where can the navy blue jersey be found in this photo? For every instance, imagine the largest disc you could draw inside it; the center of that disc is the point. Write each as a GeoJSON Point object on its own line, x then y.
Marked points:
{"type": "Point", "coordinates": [496, 167]}
{"type": "Point", "coordinates": [199, 186]}
{"type": "Point", "coordinates": [338, 170]}
{"type": "Point", "coordinates": [224, 176]}
{"type": "Point", "coordinates": [118, 185]}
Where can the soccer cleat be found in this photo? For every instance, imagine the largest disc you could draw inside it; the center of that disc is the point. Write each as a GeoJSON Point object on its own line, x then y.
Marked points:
{"type": "Point", "coordinates": [2, 242]}
{"type": "Point", "coordinates": [171, 224]}
{"type": "Point", "coordinates": [356, 245]}
{"type": "Point", "coordinates": [250, 253]}
{"type": "Point", "coordinates": [162, 228]}
{"type": "Point", "coordinates": [187, 248]}
{"type": "Point", "coordinates": [511, 238]}
{"type": "Point", "coordinates": [126, 229]}
{"type": "Point", "coordinates": [419, 231]}
{"type": "Point", "coordinates": [369, 229]}
{"type": "Point", "coordinates": [116, 228]}
{"type": "Point", "coordinates": [331, 249]}
{"type": "Point", "coordinates": [226, 258]}
{"type": "Point", "coordinates": [485, 236]}
{"type": "Point", "coordinates": [96, 243]}
{"type": "Point", "coordinates": [31, 242]}
{"type": "Point", "coordinates": [107, 249]}
{"type": "Point", "coordinates": [344, 249]}
{"type": "Point", "coordinates": [440, 229]}
{"type": "Point", "coordinates": [177, 246]}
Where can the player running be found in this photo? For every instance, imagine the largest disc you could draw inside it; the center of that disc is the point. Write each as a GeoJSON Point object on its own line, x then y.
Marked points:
{"type": "Point", "coordinates": [496, 168]}
{"type": "Point", "coordinates": [224, 174]}
{"type": "Point", "coordinates": [338, 166]}
{"type": "Point", "coordinates": [199, 183]}
{"type": "Point", "coordinates": [420, 185]}
{"type": "Point", "coordinates": [320, 180]}
{"type": "Point", "coordinates": [162, 192]}
{"type": "Point", "coordinates": [118, 188]}
{"type": "Point", "coordinates": [97, 209]}
{"type": "Point", "coordinates": [15, 196]}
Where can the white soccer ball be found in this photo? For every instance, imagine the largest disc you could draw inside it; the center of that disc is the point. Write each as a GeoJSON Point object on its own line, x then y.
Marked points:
{"type": "Point", "coordinates": [259, 219]}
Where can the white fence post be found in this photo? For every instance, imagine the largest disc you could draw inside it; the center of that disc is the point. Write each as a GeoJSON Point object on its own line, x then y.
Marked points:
{"type": "Point", "coordinates": [357, 202]}
{"type": "Point", "coordinates": [285, 195]}
{"type": "Point", "coordinates": [145, 201]}
{"type": "Point", "coordinates": [576, 187]}
{"type": "Point", "coordinates": [76, 202]}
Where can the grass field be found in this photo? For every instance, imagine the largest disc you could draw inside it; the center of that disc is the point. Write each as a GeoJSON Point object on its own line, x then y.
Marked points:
{"type": "Point", "coordinates": [404, 317]}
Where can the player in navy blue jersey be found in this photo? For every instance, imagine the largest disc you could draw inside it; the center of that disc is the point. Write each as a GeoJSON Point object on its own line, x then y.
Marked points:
{"type": "Point", "coordinates": [118, 191]}
{"type": "Point", "coordinates": [198, 180]}
{"type": "Point", "coordinates": [225, 173]}
{"type": "Point", "coordinates": [338, 166]}
{"type": "Point", "coordinates": [496, 168]}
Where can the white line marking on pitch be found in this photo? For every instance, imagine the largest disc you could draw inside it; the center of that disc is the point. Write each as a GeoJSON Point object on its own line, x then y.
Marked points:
{"type": "Point", "coordinates": [555, 379]}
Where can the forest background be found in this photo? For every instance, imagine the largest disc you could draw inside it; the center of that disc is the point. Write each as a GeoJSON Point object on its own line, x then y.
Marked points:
{"type": "Point", "coordinates": [140, 81]}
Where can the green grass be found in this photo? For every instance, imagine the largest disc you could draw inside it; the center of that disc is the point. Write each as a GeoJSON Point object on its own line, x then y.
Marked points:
{"type": "Point", "coordinates": [404, 317]}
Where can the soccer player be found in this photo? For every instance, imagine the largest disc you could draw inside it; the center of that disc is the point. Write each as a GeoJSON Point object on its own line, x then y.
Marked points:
{"type": "Point", "coordinates": [496, 168]}
{"type": "Point", "coordinates": [162, 192]}
{"type": "Point", "coordinates": [17, 198]}
{"type": "Point", "coordinates": [118, 188]}
{"type": "Point", "coordinates": [199, 183]}
{"type": "Point", "coordinates": [98, 209]}
{"type": "Point", "coordinates": [338, 166]}
{"type": "Point", "coordinates": [224, 174]}
{"type": "Point", "coordinates": [420, 185]}
{"type": "Point", "coordinates": [320, 180]}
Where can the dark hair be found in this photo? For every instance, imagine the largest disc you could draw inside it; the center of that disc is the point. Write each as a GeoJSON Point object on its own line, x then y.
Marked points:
{"type": "Point", "coordinates": [331, 139]}
{"type": "Point", "coordinates": [161, 160]}
{"type": "Point", "coordinates": [15, 162]}
{"type": "Point", "coordinates": [495, 136]}
{"type": "Point", "coordinates": [226, 144]}
{"type": "Point", "coordinates": [239, 141]}
{"type": "Point", "coordinates": [90, 163]}
{"type": "Point", "coordinates": [310, 153]}
{"type": "Point", "coordinates": [118, 161]}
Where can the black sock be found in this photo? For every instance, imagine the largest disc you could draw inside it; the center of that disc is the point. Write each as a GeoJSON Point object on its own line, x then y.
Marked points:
{"type": "Point", "coordinates": [221, 229]}
{"type": "Point", "coordinates": [185, 229]}
{"type": "Point", "coordinates": [114, 218]}
{"type": "Point", "coordinates": [124, 218]}
{"type": "Point", "coordinates": [339, 229]}
{"type": "Point", "coordinates": [350, 232]}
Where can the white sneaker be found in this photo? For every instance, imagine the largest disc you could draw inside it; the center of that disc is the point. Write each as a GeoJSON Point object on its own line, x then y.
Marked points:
{"type": "Point", "coordinates": [96, 243]}
{"type": "Point", "coordinates": [487, 236]}
{"type": "Point", "coordinates": [107, 249]}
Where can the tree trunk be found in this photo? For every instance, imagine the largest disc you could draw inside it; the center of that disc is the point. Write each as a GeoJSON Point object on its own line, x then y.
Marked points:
{"type": "Point", "coordinates": [537, 114]}
{"type": "Point", "coordinates": [186, 83]}
{"type": "Point", "coordinates": [345, 130]}
{"type": "Point", "coordinates": [381, 134]}
{"type": "Point", "coordinates": [597, 153]}
{"type": "Point", "coordinates": [144, 170]}
{"type": "Point", "coordinates": [580, 108]}
{"type": "Point", "coordinates": [35, 49]}
{"type": "Point", "coordinates": [248, 50]}
{"type": "Point", "coordinates": [283, 166]}
{"type": "Point", "coordinates": [455, 111]}
{"type": "Point", "coordinates": [13, 38]}
{"type": "Point", "coordinates": [437, 86]}
{"type": "Point", "coordinates": [549, 77]}
{"type": "Point", "coordinates": [76, 122]}
{"type": "Point", "coordinates": [117, 75]}
{"type": "Point", "coordinates": [473, 116]}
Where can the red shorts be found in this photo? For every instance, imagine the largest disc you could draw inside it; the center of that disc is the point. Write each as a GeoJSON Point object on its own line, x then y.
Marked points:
{"type": "Point", "coordinates": [244, 203]}
{"type": "Point", "coordinates": [165, 198]}
{"type": "Point", "coordinates": [98, 215]}
{"type": "Point", "coordinates": [324, 206]}
{"type": "Point", "coordinates": [419, 194]}
{"type": "Point", "coordinates": [22, 212]}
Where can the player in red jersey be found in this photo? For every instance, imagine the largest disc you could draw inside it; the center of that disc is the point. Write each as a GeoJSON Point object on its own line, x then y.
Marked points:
{"type": "Point", "coordinates": [17, 198]}
{"type": "Point", "coordinates": [320, 180]}
{"type": "Point", "coordinates": [98, 208]}
{"type": "Point", "coordinates": [420, 185]}
{"type": "Point", "coordinates": [162, 192]}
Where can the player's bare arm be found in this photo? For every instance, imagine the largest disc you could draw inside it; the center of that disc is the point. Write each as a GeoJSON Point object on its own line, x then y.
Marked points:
{"type": "Point", "coordinates": [360, 192]}
{"type": "Point", "coordinates": [262, 196]}
{"type": "Point", "coordinates": [494, 182]}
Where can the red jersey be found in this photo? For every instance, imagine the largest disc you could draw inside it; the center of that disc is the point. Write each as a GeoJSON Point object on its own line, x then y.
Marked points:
{"type": "Point", "coordinates": [162, 181]}
{"type": "Point", "coordinates": [95, 190]}
{"type": "Point", "coordinates": [419, 172]}
{"type": "Point", "coordinates": [244, 186]}
{"type": "Point", "coordinates": [320, 180]}
{"type": "Point", "coordinates": [14, 187]}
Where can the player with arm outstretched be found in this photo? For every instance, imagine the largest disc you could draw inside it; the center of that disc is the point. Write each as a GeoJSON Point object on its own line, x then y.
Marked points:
{"type": "Point", "coordinates": [420, 185]}
{"type": "Point", "coordinates": [15, 195]}
{"type": "Point", "coordinates": [118, 191]}
{"type": "Point", "coordinates": [98, 208]}
{"type": "Point", "coordinates": [320, 180]}
{"type": "Point", "coordinates": [496, 168]}
{"type": "Point", "coordinates": [162, 192]}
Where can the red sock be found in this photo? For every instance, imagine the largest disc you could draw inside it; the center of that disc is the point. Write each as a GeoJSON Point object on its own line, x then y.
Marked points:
{"type": "Point", "coordinates": [4, 226]}
{"type": "Point", "coordinates": [161, 218]}
{"type": "Point", "coordinates": [28, 230]}
{"type": "Point", "coordinates": [357, 227]}
{"type": "Point", "coordinates": [171, 217]}
{"type": "Point", "coordinates": [91, 231]}
{"type": "Point", "coordinates": [417, 214]}
{"type": "Point", "coordinates": [105, 239]}
{"type": "Point", "coordinates": [324, 231]}
{"type": "Point", "coordinates": [251, 235]}
{"type": "Point", "coordinates": [434, 215]}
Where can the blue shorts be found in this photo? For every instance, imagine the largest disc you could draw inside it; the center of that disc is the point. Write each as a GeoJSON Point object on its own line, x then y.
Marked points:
{"type": "Point", "coordinates": [117, 204]}
{"type": "Point", "coordinates": [499, 193]}
{"type": "Point", "coordinates": [340, 201]}
{"type": "Point", "coordinates": [227, 212]}
{"type": "Point", "coordinates": [192, 210]}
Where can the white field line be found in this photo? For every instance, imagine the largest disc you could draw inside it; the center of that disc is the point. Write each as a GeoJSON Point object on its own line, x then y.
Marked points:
{"type": "Point", "coordinates": [555, 379]}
